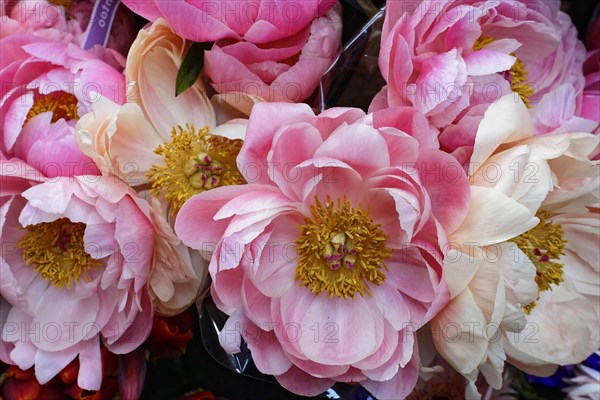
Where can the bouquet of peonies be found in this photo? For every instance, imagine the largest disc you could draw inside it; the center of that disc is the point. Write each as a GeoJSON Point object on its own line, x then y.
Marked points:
{"type": "Point", "coordinates": [347, 199]}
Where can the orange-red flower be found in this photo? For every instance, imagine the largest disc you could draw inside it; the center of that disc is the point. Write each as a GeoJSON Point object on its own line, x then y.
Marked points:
{"type": "Point", "coordinates": [171, 335]}
{"type": "Point", "coordinates": [22, 385]}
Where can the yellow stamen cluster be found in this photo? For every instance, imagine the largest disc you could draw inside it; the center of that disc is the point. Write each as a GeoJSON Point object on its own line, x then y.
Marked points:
{"type": "Point", "coordinates": [57, 252]}
{"type": "Point", "coordinates": [518, 81]}
{"type": "Point", "coordinates": [543, 244]}
{"type": "Point", "coordinates": [194, 162]}
{"type": "Point", "coordinates": [341, 250]}
{"type": "Point", "coordinates": [62, 104]}
{"type": "Point", "coordinates": [67, 4]}
{"type": "Point", "coordinates": [482, 42]}
{"type": "Point", "coordinates": [516, 75]}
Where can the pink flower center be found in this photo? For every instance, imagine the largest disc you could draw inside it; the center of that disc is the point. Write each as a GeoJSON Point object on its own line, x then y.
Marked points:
{"type": "Point", "coordinates": [341, 250]}
{"type": "Point", "coordinates": [57, 252]}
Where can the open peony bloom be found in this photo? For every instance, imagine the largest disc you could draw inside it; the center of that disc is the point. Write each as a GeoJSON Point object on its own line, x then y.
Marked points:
{"type": "Point", "coordinates": [151, 138]}
{"type": "Point", "coordinates": [74, 271]}
{"type": "Point", "coordinates": [169, 144]}
{"type": "Point", "coordinates": [451, 59]}
{"type": "Point", "coordinates": [51, 85]}
{"type": "Point", "coordinates": [330, 257]}
{"type": "Point", "coordinates": [287, 70]}
{"type": "Point", "coordinates": [522, 273]}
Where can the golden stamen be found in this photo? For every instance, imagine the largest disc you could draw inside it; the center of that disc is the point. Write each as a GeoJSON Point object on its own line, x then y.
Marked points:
{"type": "Point", "coordinates": [57, 252]}
{"type": "Point", "coordinates": [62, 104]}
{"type": "Point", "coordinates": [193, 163]}
{"type": "Point", "coordinates": [341, 250]}
{"type": "Point", "coordinates": [543, 244]}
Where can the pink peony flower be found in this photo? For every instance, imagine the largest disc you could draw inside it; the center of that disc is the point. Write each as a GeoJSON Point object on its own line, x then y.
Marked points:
{"type": "Point", "coordinates": [75, 264]}
{"type": "Point", "coordinates": [452, 59]}
{"type": "Point", "coordinates": [258, 21]}
{"type": "Point", "coordinates": [277, 51]}
{"type": "Point", "coordinates": [64, 21]}
{"type": "Point", "coordinates": [330, 257]}
{"type": "Point", "coordinates": [48, 86]}
{"type": "Point", "coordinates": [288, 71]}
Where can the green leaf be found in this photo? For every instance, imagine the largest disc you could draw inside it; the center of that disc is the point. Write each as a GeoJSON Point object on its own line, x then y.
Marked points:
{"type": "Point", "coordinates": [190, 67]}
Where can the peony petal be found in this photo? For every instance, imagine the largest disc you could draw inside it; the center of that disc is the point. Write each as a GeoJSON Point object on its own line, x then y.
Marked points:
{"type": "Point", "coordinates": [341, 144]}
{"type": "Point", "coordinates": [505, 121]}
{"type": "Point", "coordinates": [265, 121]}
{"type": "Point", "coordinates": [351, 330]}
{"type": "Point", "coordinates": [90, 363]}
{"type": "Point", "coordinates": [299, 382]}
{"type": "Point", "coordinates": [443, 178]}
{"type": "Point", "coordinates": [400, 386]}
{"type": "Point", "coordinates": [458, 333]}
{"type": "Point", "coordinates": [200, 210]}
{"type": "Point", "coordinates": [267, 353]}
{"type": "Point", "coordinates": [49, 364]}
{"type": "Point", "coordinates": [492, 218]}
{"type": "Point", "coordinates": [486, 62]}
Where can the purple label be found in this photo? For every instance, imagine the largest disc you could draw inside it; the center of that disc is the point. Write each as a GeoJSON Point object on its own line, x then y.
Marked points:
{"type": "Point", "coordinates": [101, 21]}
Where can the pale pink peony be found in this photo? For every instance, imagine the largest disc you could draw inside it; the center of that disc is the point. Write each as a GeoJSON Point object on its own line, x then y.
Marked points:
{"type": "Point", "coordinates": [121, 138]}
{"type": "Point", "coordinates": [48, 86]}
{"type": "Point", "coordinates": [452, 59]}
{"type": "Point", "coordinates": [289, 71]}
{"type": "Point", "coordinates": [330, 257]}
{"type": "Point", "coordinates": [571, 309]}
{"type": "Point", "coordinates": [528, 214]}
{"type": "Point", "coordinates": [75, 264]}
{"type": "Point", "coordinates": [64, 21]}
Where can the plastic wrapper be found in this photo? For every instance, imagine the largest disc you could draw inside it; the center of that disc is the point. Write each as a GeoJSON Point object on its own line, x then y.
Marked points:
{"type": "Point", "coordinates": [353, 79]}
